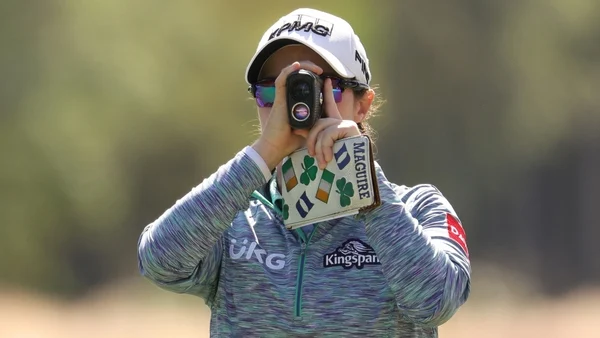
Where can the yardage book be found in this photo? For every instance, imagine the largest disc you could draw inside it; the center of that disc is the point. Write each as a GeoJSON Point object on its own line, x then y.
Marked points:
{"type": "Point", "coordinates": [345, 187]}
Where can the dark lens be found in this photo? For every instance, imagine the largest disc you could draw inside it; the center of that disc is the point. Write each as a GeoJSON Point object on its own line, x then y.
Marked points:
{"type": "Point", "coordinates": [300, 91]}
{"type": "Point", "coordinates": [300, 112]}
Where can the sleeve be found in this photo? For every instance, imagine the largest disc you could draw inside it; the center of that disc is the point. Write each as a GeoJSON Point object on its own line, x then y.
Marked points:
{"type": "Point", "coordinates": [181, 251]}
{"type": "Point", "coordinates": [423, 252]}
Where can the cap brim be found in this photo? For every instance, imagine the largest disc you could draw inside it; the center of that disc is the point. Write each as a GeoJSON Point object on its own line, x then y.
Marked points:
{"type": "Point", "coordinates": [262, 55]}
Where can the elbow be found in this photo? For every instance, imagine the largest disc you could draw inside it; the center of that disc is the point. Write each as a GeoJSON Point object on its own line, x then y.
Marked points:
{"type": "Point", "coordinates": [446, 309]}
{"type": "Point", "coordinates": [443, 303]}
{"type": "Point", "coordinates": [149, 258]}
{"type": "Point", "coordinates": [150, 268]}
{"type": "Point", "coordinates": [156, 265]}
{"type": "Point", "coordinates": [161, 277]}
{"type": "Point", "coordinates": [144, 268]}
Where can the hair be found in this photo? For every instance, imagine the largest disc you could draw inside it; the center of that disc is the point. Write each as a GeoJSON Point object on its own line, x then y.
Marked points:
{"type": "Point", "coordinates": [364, 126]}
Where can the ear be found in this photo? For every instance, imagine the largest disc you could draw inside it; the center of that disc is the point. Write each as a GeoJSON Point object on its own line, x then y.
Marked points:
{"type": "Point", "coordinates": [362, 105]}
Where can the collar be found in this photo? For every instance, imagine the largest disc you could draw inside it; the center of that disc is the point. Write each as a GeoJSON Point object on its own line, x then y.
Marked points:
{"type": "Point", "coordinates": [270, 196]}
{"type": "Point", "coordinates": [274, 194]}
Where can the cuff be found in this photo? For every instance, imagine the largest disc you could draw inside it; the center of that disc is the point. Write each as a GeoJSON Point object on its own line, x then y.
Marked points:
{"type": "Point", "coordinates": [248, 150]}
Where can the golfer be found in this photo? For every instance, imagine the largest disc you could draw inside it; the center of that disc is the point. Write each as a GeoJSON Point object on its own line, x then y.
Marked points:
{"type": "Point", "coordinates": [400, 269]}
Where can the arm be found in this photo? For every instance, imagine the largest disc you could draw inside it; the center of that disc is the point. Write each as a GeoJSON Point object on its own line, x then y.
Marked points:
{"type": "Point", "coordinates": [423, 256]}
{"type": "Point", "coordinates": [181, 251]}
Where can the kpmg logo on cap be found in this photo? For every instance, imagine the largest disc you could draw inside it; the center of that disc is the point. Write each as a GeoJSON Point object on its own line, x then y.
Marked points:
{"type": "Point", "coordinates": [305, 23]}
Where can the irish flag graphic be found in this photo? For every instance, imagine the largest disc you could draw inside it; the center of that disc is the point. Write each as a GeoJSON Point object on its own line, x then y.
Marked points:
{"type": "Point", "coordinates": [325, 186]}
{"type": "Point", "coordinates": [289, 175]}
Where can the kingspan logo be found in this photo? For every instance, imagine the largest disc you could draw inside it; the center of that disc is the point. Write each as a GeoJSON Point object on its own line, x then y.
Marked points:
{"type": "Point", "coordinates": [353, 252]}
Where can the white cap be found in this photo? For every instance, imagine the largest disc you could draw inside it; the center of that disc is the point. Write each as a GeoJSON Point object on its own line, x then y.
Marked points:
{"type": "Point", "coordinates": [329, 36]}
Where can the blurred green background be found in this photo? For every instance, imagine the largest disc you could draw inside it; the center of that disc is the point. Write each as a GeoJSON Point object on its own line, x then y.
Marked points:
{"type": "Point", "coordinates": [112, 110]}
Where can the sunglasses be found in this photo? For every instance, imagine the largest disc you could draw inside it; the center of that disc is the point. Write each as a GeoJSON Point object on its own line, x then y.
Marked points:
{"type": "Point", "coordinates": [264, 90]}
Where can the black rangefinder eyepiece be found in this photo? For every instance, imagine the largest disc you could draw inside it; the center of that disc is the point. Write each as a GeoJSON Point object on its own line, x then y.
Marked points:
{"type": "Point", "coordinates": [304, 98]}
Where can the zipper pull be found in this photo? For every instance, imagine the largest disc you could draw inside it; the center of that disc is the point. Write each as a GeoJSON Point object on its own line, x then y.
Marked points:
{"type": "Point", "coordinates": [302, 248]}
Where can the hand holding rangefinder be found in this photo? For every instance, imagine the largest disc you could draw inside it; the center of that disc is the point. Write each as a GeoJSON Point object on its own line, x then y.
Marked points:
{"type": "Point", "coordinates": [304, 98]}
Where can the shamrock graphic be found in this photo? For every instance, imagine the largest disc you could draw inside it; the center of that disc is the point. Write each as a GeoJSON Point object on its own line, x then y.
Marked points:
{"type": "Point", "coordinates": [286, 211]}
{"type": "Point", "coordinates": [310, 170]}
{"type": "Point", "coordinates": [345, 190]}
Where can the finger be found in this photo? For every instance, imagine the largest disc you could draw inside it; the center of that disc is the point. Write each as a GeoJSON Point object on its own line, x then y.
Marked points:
{"type": "Point", "coordinates": [280, 80]}
{"type": "Point", "coordinates": [309, 65]}
{"type": "Point", "coordinates": [319, 152]}
{"type": "Point", "coordinates": [285, 72]}
{"type": "Point", "coordinates": [331, 109]}
{"type": "Point", "coordinates": [325, 142]}
{"type": "Point", "coordinates": [311, 139]}
{"type": "Point", "coordinates": [328, 138]}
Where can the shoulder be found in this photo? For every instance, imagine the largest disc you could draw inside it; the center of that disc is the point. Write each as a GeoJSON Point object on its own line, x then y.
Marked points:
{"type": "Point", "coordinates": [255, 212]}
{"type": "Point", "coordinates": [424, 196]}
{"type": "Point", "coordinates": [413, 196]}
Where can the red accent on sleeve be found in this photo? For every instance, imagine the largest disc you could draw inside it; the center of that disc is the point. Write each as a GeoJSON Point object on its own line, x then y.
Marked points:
{"type": "Point", "coordinates": [456, 232]}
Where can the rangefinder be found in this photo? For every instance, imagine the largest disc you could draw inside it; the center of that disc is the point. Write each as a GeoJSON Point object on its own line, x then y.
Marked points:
{"type": "Point", "coordinates": [304, 98]}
